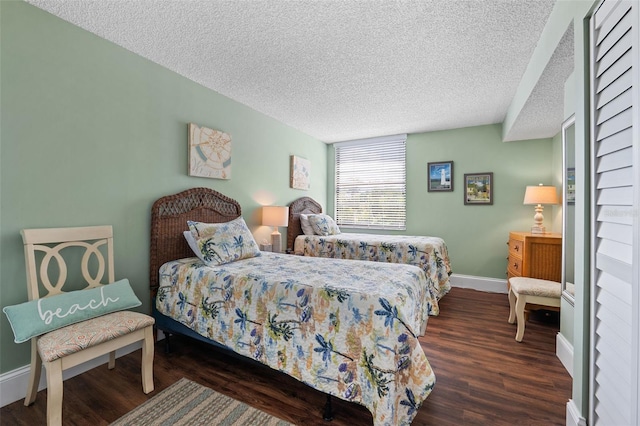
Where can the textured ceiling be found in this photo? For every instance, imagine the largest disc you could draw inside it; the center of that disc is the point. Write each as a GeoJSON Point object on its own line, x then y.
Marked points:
{"type": "Point", "coordinates": [546, 102]}
{"type": "Point", "coordinates": [341, 70]}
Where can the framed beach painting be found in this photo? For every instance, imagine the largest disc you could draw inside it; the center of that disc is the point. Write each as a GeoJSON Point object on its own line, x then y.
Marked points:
{"type": "Point", "coordinates": [440, 176]}
{"type": "Point", "coordinates": [478, 189]}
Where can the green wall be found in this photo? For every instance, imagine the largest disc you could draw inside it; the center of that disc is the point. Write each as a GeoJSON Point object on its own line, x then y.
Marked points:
{"type": "Point", "coordinates": [92, 134]}
{"type": "Point", "coordinates": [575, 322]}
{"type": "Point", "coordinates": [476, 236]}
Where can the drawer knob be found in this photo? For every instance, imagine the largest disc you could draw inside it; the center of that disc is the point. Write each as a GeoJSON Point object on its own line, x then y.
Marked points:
{"type": "Point", "coordinates": [517, 248]}
{"type": "Point", "coordinates": [515, 266]}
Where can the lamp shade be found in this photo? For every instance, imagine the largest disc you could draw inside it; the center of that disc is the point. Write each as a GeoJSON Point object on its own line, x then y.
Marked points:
{"type": "Point", "coordinates": [275, 215]}
{"type": "Point", "coordinates": [541, 195]}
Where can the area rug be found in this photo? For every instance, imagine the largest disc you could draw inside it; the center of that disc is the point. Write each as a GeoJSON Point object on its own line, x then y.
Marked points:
{"type": "Point", "coordinates": [188, 403]}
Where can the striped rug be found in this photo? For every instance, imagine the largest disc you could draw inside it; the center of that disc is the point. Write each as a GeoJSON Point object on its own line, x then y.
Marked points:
{"type": "Point", "coordinates": [188, 403]}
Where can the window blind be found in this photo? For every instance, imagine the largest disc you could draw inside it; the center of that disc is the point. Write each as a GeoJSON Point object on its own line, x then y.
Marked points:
{"type": "Point", "coordinates": [371, 183]}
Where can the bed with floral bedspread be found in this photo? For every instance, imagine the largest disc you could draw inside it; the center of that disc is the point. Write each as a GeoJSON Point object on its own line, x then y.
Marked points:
{"type": "Point", "coordinates": [428, 253]}
{"type": "Point", "coordinates": [346, 328]}
{"type": "Point", "coordinates": [311, 233]}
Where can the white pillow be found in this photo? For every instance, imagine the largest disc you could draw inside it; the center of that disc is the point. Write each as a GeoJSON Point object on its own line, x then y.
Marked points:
{"type": "Point", "coordinates": [323, 224]}
{"type": "Point", "coordinates": [192, 244]}
{"type": "Point", "coordinates": [306, 226]}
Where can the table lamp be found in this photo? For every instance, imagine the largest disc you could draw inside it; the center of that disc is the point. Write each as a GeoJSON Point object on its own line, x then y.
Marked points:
{"type": "Point", "coordinates": [539, 195]}
{"type": "Point", "coordinates": [275, 216]}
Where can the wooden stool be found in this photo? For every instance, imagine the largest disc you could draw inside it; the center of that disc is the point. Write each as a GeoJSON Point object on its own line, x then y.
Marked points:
{"type": "Point", "coordinates": [523, 290]}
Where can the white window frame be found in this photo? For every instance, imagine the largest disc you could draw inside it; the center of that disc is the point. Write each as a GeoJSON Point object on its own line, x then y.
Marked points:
{"type": "Point", "coordinates": [385, 217]}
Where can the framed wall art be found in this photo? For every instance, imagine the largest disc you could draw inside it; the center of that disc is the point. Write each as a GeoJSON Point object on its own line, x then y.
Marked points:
{"type": "Point", "coordinates": [440, 176]}
{"type": "Point", "coordinates": [300, 173]}
{"type": "Point", "coordinates": [571, 185]}
{"type": "Point", "coordinates": [209, 153]}
{"type": "Point", "coordinates": [478, 189]}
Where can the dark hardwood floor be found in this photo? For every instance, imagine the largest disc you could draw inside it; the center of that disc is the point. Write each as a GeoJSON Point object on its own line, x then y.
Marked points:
{"type": "Point", "coordinates": [484, 376]}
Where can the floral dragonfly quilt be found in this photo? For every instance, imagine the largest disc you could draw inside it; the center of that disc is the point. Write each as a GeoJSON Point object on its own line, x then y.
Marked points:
{"type": "Point", "coordinates": [346, 328]}
{"type": "Point", "coordinates": [428, 253]}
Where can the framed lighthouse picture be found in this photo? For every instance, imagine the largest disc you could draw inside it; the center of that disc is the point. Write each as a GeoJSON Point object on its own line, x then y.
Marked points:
{"type": "Point", "coordinates": [440, 176]}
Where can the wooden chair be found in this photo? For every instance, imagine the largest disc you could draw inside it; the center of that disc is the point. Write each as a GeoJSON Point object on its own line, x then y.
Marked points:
{"type": "Point", "coordinates": [67, 347]}
{"type": "Point", "coordinates": [524, 290]}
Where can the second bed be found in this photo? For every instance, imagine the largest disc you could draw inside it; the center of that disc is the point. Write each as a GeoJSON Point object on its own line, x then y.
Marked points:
{"type": "Point", "coordinates": [428, 253]}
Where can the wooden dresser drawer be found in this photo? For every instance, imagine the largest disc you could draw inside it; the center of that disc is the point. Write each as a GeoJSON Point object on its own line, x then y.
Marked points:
{"type": "Point", "coordinates": [515, 266]}
{"type": "Point", "coordinates": [515, 247]}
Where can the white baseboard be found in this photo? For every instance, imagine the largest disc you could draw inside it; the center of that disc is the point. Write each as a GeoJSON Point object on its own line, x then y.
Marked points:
{"type": "Point", "coordinates": [13, 384]}
{"type": "Point", "coordinates": [573, 415]}
{"type": "Point", "coordinates": [490, 285]}
{"type": "Point", "coordinates": [564, 352]}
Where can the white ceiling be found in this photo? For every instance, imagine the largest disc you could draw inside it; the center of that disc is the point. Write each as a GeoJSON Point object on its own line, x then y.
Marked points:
{"type": "Point", "coordinates": [345, 69]}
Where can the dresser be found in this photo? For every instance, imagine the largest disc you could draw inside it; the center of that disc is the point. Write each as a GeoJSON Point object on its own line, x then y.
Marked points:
{"type": "Point", "coordinates": [535, 256]}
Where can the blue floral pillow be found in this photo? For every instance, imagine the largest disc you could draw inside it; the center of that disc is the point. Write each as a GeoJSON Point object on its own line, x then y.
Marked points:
{"type": "Point", "coordinates": [323, 224]}
{"type": "Point", "coordinates": [221, 243]}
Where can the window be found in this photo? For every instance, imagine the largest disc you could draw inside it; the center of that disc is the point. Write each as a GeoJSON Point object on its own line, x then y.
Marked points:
{"type": "Point", "coordinates": [371, 183]}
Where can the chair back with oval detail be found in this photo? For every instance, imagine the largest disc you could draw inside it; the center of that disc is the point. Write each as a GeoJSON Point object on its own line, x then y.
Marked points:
{"type": "Point", "coordinates": [97, 242]}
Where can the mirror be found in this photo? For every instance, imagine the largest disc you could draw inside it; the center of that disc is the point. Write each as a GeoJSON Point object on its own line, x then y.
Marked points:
{"type": "Point", "coordinates": [568, 208]}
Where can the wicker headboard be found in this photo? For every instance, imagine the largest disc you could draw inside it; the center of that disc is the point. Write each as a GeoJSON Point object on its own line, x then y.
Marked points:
{"type": "Point", "coordinates": [169, 217]}
{"type": "Point", "coordinates": [304, 205]}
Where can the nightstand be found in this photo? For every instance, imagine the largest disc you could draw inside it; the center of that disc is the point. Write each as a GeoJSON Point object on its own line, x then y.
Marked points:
{"type": "Point", "coordinates": [535, 256]}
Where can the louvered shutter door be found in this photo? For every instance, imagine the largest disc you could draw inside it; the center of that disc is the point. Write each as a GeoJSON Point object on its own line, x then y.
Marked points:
{"type": "Point", "coordinates": [614, 152]}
